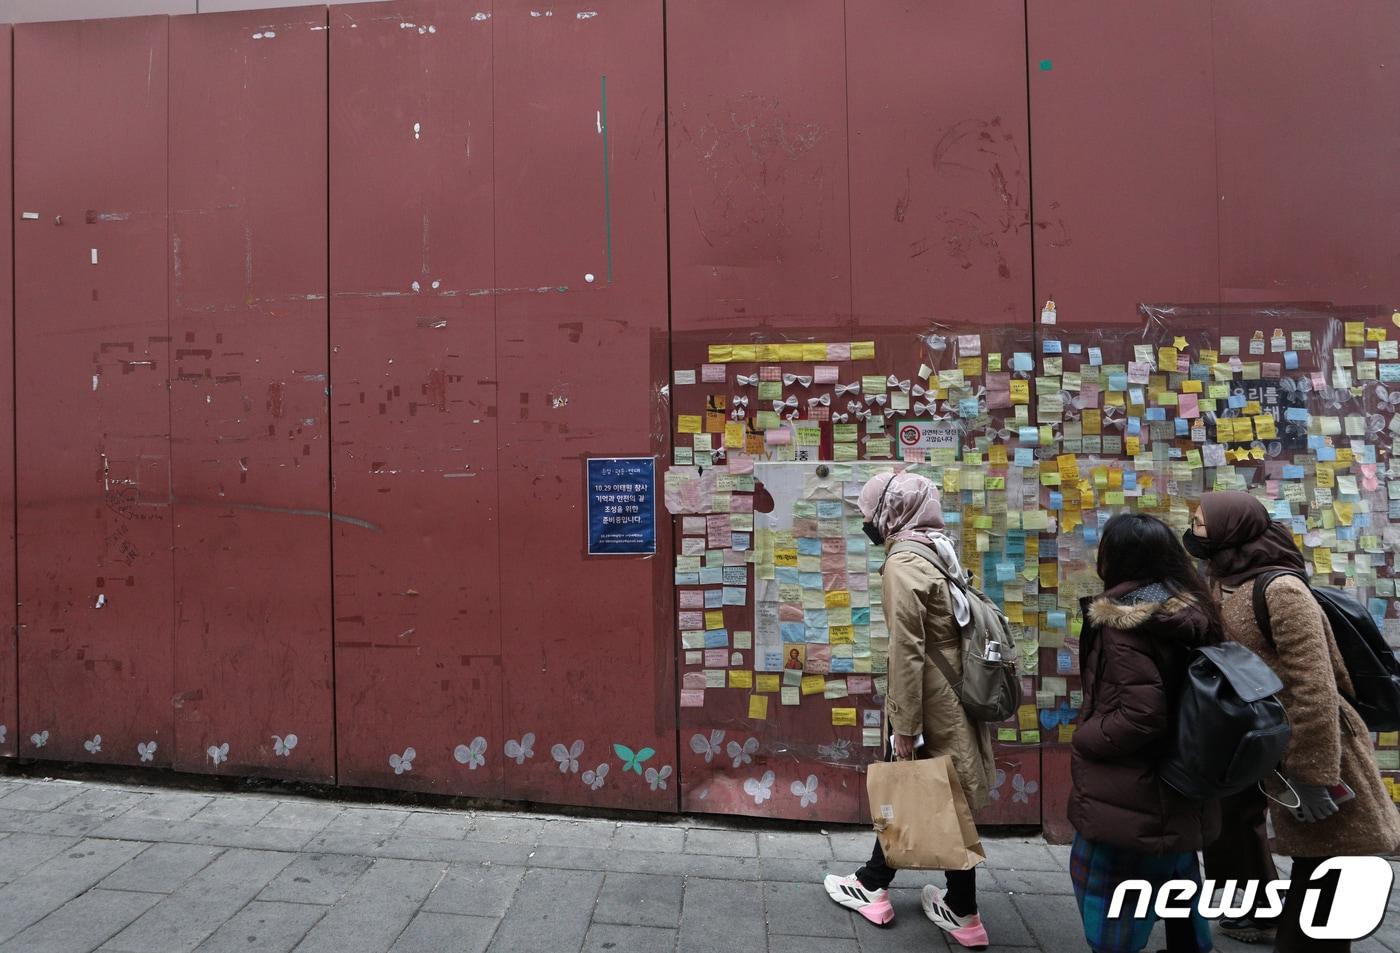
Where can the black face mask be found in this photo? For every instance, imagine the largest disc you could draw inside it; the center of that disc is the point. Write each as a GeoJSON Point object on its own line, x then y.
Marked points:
{"type": "Point", "coordinates": [872, 532]}
{"type": "Point", "coordinates": [1198, 546]}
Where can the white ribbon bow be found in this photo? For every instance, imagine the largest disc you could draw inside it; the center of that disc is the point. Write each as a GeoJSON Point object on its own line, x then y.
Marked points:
{"type": "Point", "coordinates": [918, 390]}
{"type": "Point", "coordinates": [778, 405]}
{"type": "Point", "coordinates": [824, 400]}
{"type": "Point", "coordinates": [862, 414]}
{"type": "Point", "coordinates": [848, 388]}
{"type": "Point", "coordinates": [748, 380]}
{"type": "Point", "coordinates": [922, 408]}
{"type": "Point", "coordinates": [853, 405]}
{"type": "Point", "coordinates": [876, 399]}
{"type": "Point", "coordinates": [790, 415]}
{"type": "Point", "coordinates": [739, 401]}
{"type": "Point", "coordinates": [737, 413]}
{"type": "Point", "coordinates": [896, 382]}
{"type": "Point", "coordinates": [804, 379]}
{"type": "Point", "coordinates": [840, 418]}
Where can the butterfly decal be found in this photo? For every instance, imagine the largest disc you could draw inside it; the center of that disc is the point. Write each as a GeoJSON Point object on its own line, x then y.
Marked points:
{"type": "Point", "coordinates": [806, 791]}
{"type": "Point", "coordinates": [522, 749]}
{"type": "Point", "coordinates": [631, 761]}
{"type": "Point", "coordinates": [760, 789]}
{"type": "Point", "coordinates": [402, 762]}
{"type": "Point", "coordinates": [996, 787]}
{"type": "Point", "coordinates": [3, 729]}
{"type": "Point", "coordinates": [657, 779]}
{"type": "Point", "coordinates": [567, 757]}
{"type": "Point", "coordinates": [839, 750]}
{"type": "Point", "coordinates": [1294, 390]}
{"type": "Point", "coordinates": [742, 754]}
{"type": "Point", "coordinates": [146, 750]}
{"type": "Point", "coordinates": [1051, 718]}
{"type": "Point", "coordinates": [709, 747]}
{"type": "Point", "coordinates": [282, 745]}
{"type": "Point", "coordinates": [595, 777]}
{"type": "Point", "coordinates": [472, 755]}
{"type": "Point", "coordinates": [217, 753]}
{"type": "Point", "coordinates": [93, 745]}
{"type": "Point", "coordinates": [40, 738]}
{"type": "Point", "coordinates": [1387, 397]}
{"type": "Point", "coordinates": [1023, 789]}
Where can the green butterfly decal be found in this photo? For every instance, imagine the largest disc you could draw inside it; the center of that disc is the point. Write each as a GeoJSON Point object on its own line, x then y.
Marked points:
{"type": "Point", "coordinates": [630, 761]}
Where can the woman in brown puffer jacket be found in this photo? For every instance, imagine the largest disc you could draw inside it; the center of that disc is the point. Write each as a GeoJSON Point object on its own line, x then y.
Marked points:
{"type": "Point", "coordinates": [1134, 649]}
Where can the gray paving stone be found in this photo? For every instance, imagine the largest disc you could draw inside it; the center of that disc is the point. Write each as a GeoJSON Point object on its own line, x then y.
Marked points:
{"type": "Point", "coordinates": [721, 915]}
{"type": "Point", "coordinates": [443, 826]}
{"type": "Point", "coordinates": [104, 802]}
{"type": "Point", "coordinates": [437, 932]}
{"type": "Point", "coordinates": [550, 912]}
{"type": "Point", "coordinates": [641, 899]}
{"type": "Point", "coordinates": [1000, 915]}
{"type": "Point", "coordinates": [1050, 882]}
{"type": "Point", "coordinates": [911, 930]}
{"type": "Point", "coordinates": [265, 927]}
{"type": "Point", "coordinates": [804, 909]}
{"type": "Point", "coordinates": [54, 882]}
{"type": "Point", "coordinates": [185, 918]}
{"type": "Point", "coordinates": [83, 923]}
{"type": "Point", "coordinates": [794, 846]}
{"type": "Point", "coordinates": [852, 845]}
{"type": "Point", "coordinates": [23, 852]}
{"type": "Point", "coordinates": [170, 806]}
{"type": "Point", "coordinates": [161, 868]}
{"type": "Point", "coordinates": [649, 837]}
{"type": "Point", "coordinates": [505, 828]}
{"type": "Point", "coordinates": [303, 815]}
{"type": "Point", "coordinates": [783, 870]}
{"type": "Point", "coordinates": [366, 820]}
{"type": "Point", "coordinates": [1019, 855]}
{"type": "Point", "coordinates": [700, 840]}
{"type": "Point", "coordinates": [376, 909]}
{"type": "Point", "coordinates": [711, 866]}
{"type": "Point", "coordinates": [795, 944]}
{"type": "Point", "coordinates": [234, 810]}
{"type": "Point", "coordinates": [1053, 922]}
{"type": "Point", "coordinates": [576, 834]}
{"type": "Point", "coordinates": [48, 822]}
{"type": "Point", "coordinates": [41, 796]}
{"type": "Point", "coordinates": [316, 878]}
{"type": "Point", "coordinates": [476, 890]}
{"type": "Point", "coordinates": [614, 938]}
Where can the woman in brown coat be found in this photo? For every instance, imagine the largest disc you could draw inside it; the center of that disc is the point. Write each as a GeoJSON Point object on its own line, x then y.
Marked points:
{"type": "Point", "coordinates": [1134, 651]}
{"type": "Point", "coordinates": [1330, 744]}
{"type": "Point", "coordinates": [924, 615]}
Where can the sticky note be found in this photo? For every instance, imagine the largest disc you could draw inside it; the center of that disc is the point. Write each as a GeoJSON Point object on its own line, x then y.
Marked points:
{"type": "Point", "coordinates": [758, 707]}
{"type": "Point", "coordinates": [843, 717]}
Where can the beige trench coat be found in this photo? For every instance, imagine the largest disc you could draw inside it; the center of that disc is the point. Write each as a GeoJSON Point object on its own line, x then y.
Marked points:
{"type": "Point", "coordinates": [919, 614]}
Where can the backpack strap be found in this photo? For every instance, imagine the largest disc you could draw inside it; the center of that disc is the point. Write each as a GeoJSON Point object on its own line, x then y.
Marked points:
{"type": "Point", "coordinates": [1261, 604]}
{"type": "Point", "coordinates": [925, 552]}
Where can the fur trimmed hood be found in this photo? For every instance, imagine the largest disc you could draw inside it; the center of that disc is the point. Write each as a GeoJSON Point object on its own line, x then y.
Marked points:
{"type": "Point", "coordinates": [1153, 608]}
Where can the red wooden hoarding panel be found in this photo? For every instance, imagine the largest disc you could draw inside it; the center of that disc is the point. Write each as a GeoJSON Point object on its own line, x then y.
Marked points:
{"type": "Point", "coordinates": [93, 413]}
{"type": "Point", "coordinates": [9, 698]}
{"type": "Point", "coordinates": [249, 444]}
{"type": "Point", "coordinates": [1123, 135]}
{"type": "Point", "coordinates": [1308, 147]}
{"type": "Point", "coordinates": [940, 166]}
{"type": "Point", "coordinates": [413, 373]}
{"type": "Point", "coordinates": [581, 341]}
{"type": "Point", "coordinates": [760, 216]}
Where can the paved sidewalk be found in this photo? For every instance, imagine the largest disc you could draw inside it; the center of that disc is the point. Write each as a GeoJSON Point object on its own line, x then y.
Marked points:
{"type": "Point", "coordinates": [91, 865]}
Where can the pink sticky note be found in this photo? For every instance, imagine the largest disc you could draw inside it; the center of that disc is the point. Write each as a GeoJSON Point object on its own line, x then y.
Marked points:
{"type": "Point", "coordinates": [1188, 407]}
{"type": "Point", "coordinates": [692, 698]}
{"type": "Point", "coordinates": [779, 436]}
{"type": "Point", "coordinates": [824, 374]}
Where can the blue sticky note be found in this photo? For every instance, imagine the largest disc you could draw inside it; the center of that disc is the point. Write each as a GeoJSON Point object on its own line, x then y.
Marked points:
{"type": "Point", "coordinates": [1052, 346]}
{"type": "Point", "coordinates": [1130, 480]}
{"type": "Point", "coordinates": [1076, 348]}
{"type": "Point", "coordinates": [1022, 361]}
{"type": "Point", "coordinates": [1091, 535]}
{"type": "Point", "coordinates": [786, 575]}
{"type": "Point", "coordinates": [1057, 500]}
{"type": "Point", "coordinates": [1183, 427]}
{"type": "Point", "coordinates": [1290, 360]}
{"type": "Point", "coordinates": [1134, 426]}
{"type": "Point", "coordinates": [1006, 572]}
{"type": "Point", "coordinates": [714, 598]}
{"type": "Point", "coordinates": [1118, 380]}
{"type": "Point", "coordinates": [1292, 471]}
{"type": "Point", "coordinates": [855, 545]}
{"type": "Point", "coordinates": [830, 509]}
{"type": "Point", "coordinates": [809, 546]}
{"type": "Point", "coordinates": [716, 638]}
{"type": "Point", "coordinates": [819, 634]}
{"type": "Point", "coordinates": [1064, 662]}
{"type": "Point", "coordinates": [1030, 436]}
{"type": "Point", "coordinates": [1236, 401]}
{"type": "Point", "coordinates": [1298, 415]}
{"type": "Point", "coordinates": [1096, 358]}
{"type": "Point", "coordinates": [810, 580]}
{"type": "Point", "coordinates": [1316, 442]}
{"type": "Point", "coordinates": [840, 665]}
{"type": "Point", "coordinates": [1025, 457]}
{"type": "Point", "coordinates": [860, 615]}
{"type": "Point", "coordinates": [1055, 619]}
{"type": "Point", "coordinates": [793, 631]}
{"type": "Point", "coordinates": [815, 617]}
{"type": "Point", "coordinates": [1282, 510]}
{"type": "Point", "coordinates": [1156, 413]}
{"type": "Point", "coordinates": [967, 407]}
{"type": "Point", "coordinates": [1377, 608]}
{"type": "Point", "coordinates": [713, 576]}
{"type": "Point", "coordinates": [1326, 454]}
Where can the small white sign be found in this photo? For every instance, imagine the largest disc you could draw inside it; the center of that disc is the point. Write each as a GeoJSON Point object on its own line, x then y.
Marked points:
{"type": "Point", "coordinates": [928, 435]}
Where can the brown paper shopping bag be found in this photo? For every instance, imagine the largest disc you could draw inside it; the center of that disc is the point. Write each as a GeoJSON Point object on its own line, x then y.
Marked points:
{"type": "Point", "coordinates": [921, 815]}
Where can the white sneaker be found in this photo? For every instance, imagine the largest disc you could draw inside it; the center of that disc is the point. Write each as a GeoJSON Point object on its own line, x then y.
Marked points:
{"type": "Point", "coordinates": [968, 930]}
{"type": "Point", "coordinates": [874, 905]}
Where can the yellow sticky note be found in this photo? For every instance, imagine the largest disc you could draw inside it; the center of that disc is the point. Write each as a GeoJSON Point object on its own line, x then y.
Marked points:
{"type": "Point", "coordinates": [970, 366]}
{"type": "Point", "coordinates": [1191, 387]}
{"type": "Point", "coordinates": [769, 683]}
{"type": "Point", "coordinates": [1388, 739]}
{"type": "Point", "coordinates": [1030, 737]}
{"type": "Point", "coordinates": [758, 707]}
{"type": "Point", "coordinates": [843, 717]}
{"type": "Point", "coordinates": [714, 618]}
{"type": "Point", "coordinates": [838, 597]}
{"type": "Point", "coordinates": [813, 684]}
{"type": "Point", "coordinates": [1354, 333]}
{"type": "Point", "coordinates": [734, 434]}
{"type": "Point", "coordinates": [1006, 734]}
{"type": "Point", "coordinates": [842, 634]}
{"type": "Point", "coordinates": [1020, 392]}
{"type": "Point", "coordinates": [721, 353]}
{"type": "Point", "coordinates": [688, 423]}
{"type": "Point", "coordinates": [862, 350]}
{"type": "Point", "coordinates": [740, 678]}
{"type": "Point", "coordinates": [784, 557]}
{"type": "Point", "coordinates": [1067, 733]}
{"type": "Point", "coordinates": [1026, 717]}
{"type": "Point", "coordinates": [746, 353]}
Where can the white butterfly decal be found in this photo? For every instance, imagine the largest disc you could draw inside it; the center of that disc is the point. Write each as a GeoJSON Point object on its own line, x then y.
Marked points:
{"type": "Point", "coordinates": [567, 757]}
{"type": "Point", "coordinates": [742, 755]}
{"type": "Point", "coordinates": [1023, 789]}
{"type": "Point", "coordinates": [146, 750]}
{"type": "Point", "coordinates": [402, 762]}
{"type": "Point", "coordinates": [839, 750]}
{"type": "Point", "coordinates": [93, 744]}
{"type": "Point", "coordinates": [522, 749]}
{"type": "Point", "coordinates": [996, 786]}
{"type": "Point", "coordinates": [760, 789]}
{"type": "Point", "coordinates": [657, 779]}
{"type": "Point", "coordinates": [218, 753]}
{"type": "Point", "coordinates": [595, 778]}
{"type": "Point", "coordinates": [282, 745]}
{"type": "Point", "coordinates": [709, 747]}
{"type": "Point", "coordinates": [472, 755]}
{"type": "Point", "coordinates": [806, 791]}
{"type": "Point", "coordinates": [2, 734]}
{"type": "Point", "coordinates": [40, 738]}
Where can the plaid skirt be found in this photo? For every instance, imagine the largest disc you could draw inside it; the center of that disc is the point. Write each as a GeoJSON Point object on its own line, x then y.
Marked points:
{"type": "Point", "coordinates": [1098, 868]}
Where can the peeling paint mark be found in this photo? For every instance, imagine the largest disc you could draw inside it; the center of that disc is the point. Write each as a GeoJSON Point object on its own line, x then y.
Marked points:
{"type": "Point", "coordinates": [417, 130]}
{"type": "Point", "coordinates": [478, 17]}
{"type": "Point", "coordinates": [95, 379]}
{"type": "Point", "coordinates": [558, 401]}
{"type": "Point", "coordinates": [33, 216]}
{"type": "Point", "coordinates": [537, 13]}
{"type": "Point", "coordinates": [586, 14]}
{"type": "Point", "coordinates": [265, 35]}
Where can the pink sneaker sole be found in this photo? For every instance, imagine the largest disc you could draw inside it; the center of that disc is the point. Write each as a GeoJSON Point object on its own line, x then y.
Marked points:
{"type": "Point", "coordinates": [973, 936]}
{"type": "Point", "coordinates": [880, 913]}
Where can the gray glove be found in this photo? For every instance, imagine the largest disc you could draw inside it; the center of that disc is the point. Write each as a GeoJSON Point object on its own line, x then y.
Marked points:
{"type": "Point", "coordinates": [1315, 804]}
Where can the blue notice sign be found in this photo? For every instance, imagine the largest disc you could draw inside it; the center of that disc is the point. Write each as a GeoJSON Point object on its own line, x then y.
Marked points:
{"type": "Point", "coordinates": [622, 506]}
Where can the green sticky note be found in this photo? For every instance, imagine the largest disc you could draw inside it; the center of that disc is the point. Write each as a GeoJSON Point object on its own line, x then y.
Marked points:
{"type": "Point", "coordinates": [1046, 66]}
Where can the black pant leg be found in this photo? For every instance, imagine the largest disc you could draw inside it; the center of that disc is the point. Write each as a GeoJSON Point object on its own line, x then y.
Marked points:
{"type": "Point", "coordinates": [876, 874]}
{"type": "Point", "coordinates": [1242, 850]}
{"type": "Point", "coordinates": [962, 891]}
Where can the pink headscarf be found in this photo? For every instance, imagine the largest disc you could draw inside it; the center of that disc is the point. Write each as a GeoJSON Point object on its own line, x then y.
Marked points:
{"type": "Point", "coordinates": [912, 507]}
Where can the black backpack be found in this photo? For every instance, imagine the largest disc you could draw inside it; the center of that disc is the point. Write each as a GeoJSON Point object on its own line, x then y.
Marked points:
{"type": "Point", "coordinates": [1374, 671]}
{"type": "Point", "coordinates": [1231, 729]}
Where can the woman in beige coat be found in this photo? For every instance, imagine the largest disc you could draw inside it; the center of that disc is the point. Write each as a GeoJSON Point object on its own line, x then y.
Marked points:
{"type": "Point", "coordinates": [924, 615]}
{"type": "Point", "coordinates": [1330, 744]}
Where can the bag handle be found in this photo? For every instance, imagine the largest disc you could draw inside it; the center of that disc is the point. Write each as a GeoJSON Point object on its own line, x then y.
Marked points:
{"type": "Point", "coordinates": [935, 656]}
{"type": "Point", "coordinates": [1261, 604]}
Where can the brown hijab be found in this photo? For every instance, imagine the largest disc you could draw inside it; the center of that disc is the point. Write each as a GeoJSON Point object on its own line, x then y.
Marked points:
{"type": "Point", "coordinates": [1246, 540]}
